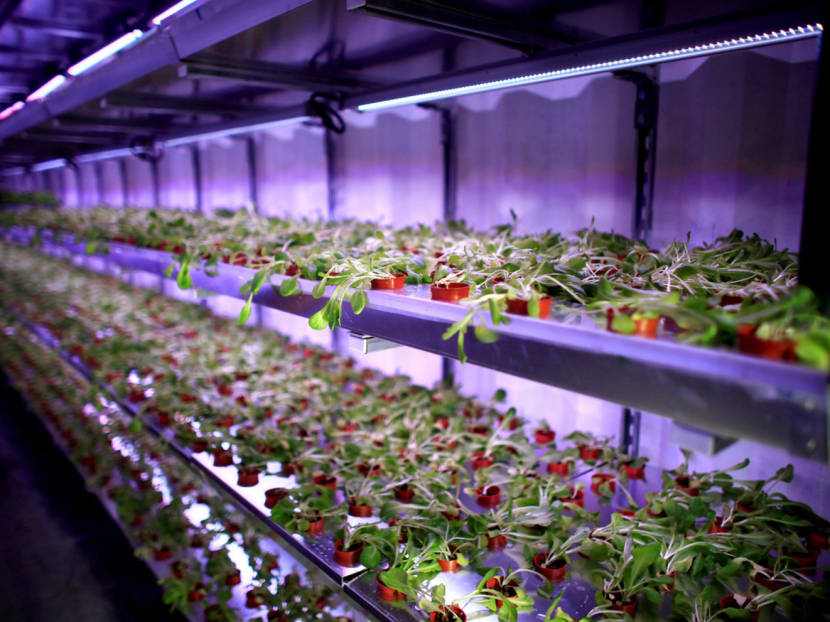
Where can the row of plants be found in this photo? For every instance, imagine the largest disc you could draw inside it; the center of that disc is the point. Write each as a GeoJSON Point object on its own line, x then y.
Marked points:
{"type": "Point", "coordinates": [440, 480]}
{"type": "Point", "coordinates": [37, 198]}
{"type": "Point", "coordinates": [174, 518]}
{"type": "Point", "coordinates": [739, 291]}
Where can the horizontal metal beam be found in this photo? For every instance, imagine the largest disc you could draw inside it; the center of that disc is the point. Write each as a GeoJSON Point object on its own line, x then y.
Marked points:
{"type": "Point", "coordinates": [594, 55]}
{"type": "Point", "coordinates": [260, 73]}
{"type": "Point", "coordinates": [185, 35]}
{"type": "Point", "coordinates": [17, 70]}
{"type": "Point", "coordinates": [50, 27]}
{"type": "Point", "coordinates": [157, 102]}
{"type": "Point", "coordinates": [466, 23]}
{"type": "Point", "coordinates": [125, 126]}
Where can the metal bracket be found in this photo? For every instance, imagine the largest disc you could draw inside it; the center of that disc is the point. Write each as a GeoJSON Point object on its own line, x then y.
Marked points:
{"type": "Point", "coordinates": [697, 440]}
{"type": "Point", "coordinates": [630, 432]}
{"type": "Point", "coordinates": [645, 122]}
{"type": "Point", "coordinates": [366, 344]}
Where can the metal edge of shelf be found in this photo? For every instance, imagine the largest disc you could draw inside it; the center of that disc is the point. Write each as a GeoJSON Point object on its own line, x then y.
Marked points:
{"type": "Point", "coordinates": [356, 593]}
{"type": "Point", "coordinates": [735, 395]}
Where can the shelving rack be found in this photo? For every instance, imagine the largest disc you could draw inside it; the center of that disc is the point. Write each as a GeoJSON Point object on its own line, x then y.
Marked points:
{"type": "Point", "coordinates": [730, 394]}
{"type": "Point", "coordinates": [733, 395]}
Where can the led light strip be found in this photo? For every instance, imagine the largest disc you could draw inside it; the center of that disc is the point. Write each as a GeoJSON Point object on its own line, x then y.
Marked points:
{"type": "Point", "coordinates": [103, 155]}
{"type": "Point", "coordinates": [104, 53]}
{"type": "Point", "coordinates": [47, 88]}
{"type": "Point", "coordinates": [176, 8]}
{"type": "Point", "coordinates": [5, 114]}
{"type": "Point", "coordinates": [48, 165]}
{"type": "Point", "coordinates": [232, 131]}
{"type": "Point", "coordinates": [705, 49]}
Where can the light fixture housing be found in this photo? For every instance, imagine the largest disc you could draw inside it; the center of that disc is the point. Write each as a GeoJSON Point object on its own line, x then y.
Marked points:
{"type": "Point", "coordinates": [232, 131]}
{"type": "Point", "coordinates": [103, 155]}
{"type": "Point", "coordinates": [105, 52]}
{"type": "Point", "coordinates": [48, 165]}
{"type": "Point", "coordinates": [667, 54]}
{"type": "Point", "coordinates": [5, 114]}
{"type": "Point", "coordinates": [46, 88]}
{"type": "Point", "coordinates": [170, 12]}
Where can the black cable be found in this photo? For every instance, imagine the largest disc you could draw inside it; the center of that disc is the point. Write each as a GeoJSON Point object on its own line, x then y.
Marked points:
{"type": "Point", "coordinates": [320, 106]}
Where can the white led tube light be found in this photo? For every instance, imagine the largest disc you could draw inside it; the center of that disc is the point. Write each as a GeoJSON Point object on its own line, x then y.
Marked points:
{"type": "Point", "coordinates": [232, 131]}
{"type": "Point", "coordinates": [176, 8]}
{"type": "Point", "coordinates": [704, 49]}
{"type": "Point", "coordinates": [47, 88]}
{"type": "Point", "coordinates": [104, 53]}
{"type": "Point", "coordinates": [48, 165]}
{"type": "Point", "coordinates": [5, 114]}
{"type": "Point", "coordinates": [103, 155]}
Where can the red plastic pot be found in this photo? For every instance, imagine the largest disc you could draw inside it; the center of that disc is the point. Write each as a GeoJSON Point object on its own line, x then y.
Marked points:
{"type": "Point", "coordinates": [315, 528]}
{"type": "Point", "coordinates": [543, 437]}
{"type": "Point", "coordinates": [776, 349]}
{"type": "Point", "coordinates": [453, 613]}
{"type": "Point", "coordinates": [519, 307]}
{"type": "Point", "coordinates": [577, 497]}
{"type": "Point", "coordinates": [329, 481]}
{"type": "Point", "coordinates": [630, 608]}
{"type": "Point", "coordinates": [247, 477]}
{"type": "Point", "coordinates": [222, 458]}
{"type": "Point", "coordinates": [348, 558]}
{"type": "Point", "coordinates": [396, 282]}
{"type": "Point", "coordinates": [480, 461]}
{"type": "Point", "coordinates": [559, 468]}
{"type": "Point", "coordinates": [646, 327]}
{"type": "Point", "coordinates": [804, 561]}
{"type": "Point", "coordinates": [495, 583]}
{"type": "Point", "coordinates": [634, 472]}
{"type": "Point", "coordinates": [746, 509]}
{"type": "Point", "coordinates": [234, 579]}
{"type": "Point", "coordinates": [488, 496]}
{"type": "Point", "coordinates": [496, 543]}
{"type": "Point", "coordinates": [404, 493]}
{"type": "Point", "coordinates": [366, 471]}
{"type": "Point", "coordinates": [555, 572]}
{"type": "Point", "coordinates": [598, 479]}
{"type": "Point", "coordinates": [253, 600]}
{"type": "Point", "coordinates": [628, 513]}
{"type": "Point", "coordinates": [683, 484]}
{"type": "Point", "coordinates": [770, 584]}
{"type": "Point", "coordinates": [361, 511]}
{"type": "Point", "coordinates": [451, 292]}
{"type": "Point", "coordinates": [449, 565]}
{"type": "Point", "coordinates": [716, 526]}
{"type": "Point", "coordinates": [728, 601]}
{"type": "Point", "coordinates": [224, 389]}
{"type": "Point", "coordinates": [387, 594]}
{"type": "Point", "coordinates": [818, 541]}
{"type": "Point", "coordinates": [274, 496]}
{"type": "Point", "coordinates": [589, 453]}
{"type": "Point", "coordinates": [162, 554]}
{"type": "Point", "coordinates": [196, 594]}
{"type": "Point", "coordinates": [198, 446]}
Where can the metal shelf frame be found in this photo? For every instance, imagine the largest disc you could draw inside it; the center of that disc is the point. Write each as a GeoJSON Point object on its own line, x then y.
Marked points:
{"type": "Point", "coordinates": [733, 395]}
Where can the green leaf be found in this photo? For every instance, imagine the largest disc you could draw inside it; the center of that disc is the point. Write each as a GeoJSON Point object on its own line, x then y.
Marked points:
{"type": "Point", "coordinates": [485, 335]}
{"type": "Point", "coordinates": [533, 306]}
{"type": "Point", "coordinates": [500, 395]}
{"type": "Point", "coordinates": [358, 301]}
{"type": "Point", "coordinates": [684, 272]}
{"type": "Point", "coordinates": [91, 247]}
{"type": "Point", "coordinates": [289, 287]}
{"type": "Point", "coordinates": [508, 612]}
{"type": "Point", "coordinates": [622, 324]}
{"type": "Point", "coordinates": [183, 277]}
{"type": "Point", "coordinates": [246, 311]}
{"type": "Point", "coordinates": [318, 320]}
{"type": "Point", "coordinates": [644, 557]}
{"type": "Point", "coordinates": [168, 272]}
{"type": "Point", "coordinates": [259, 279]}
{"type": "Point", "coordinates": [136, 425]}
{"type": "Point", "coordinates": [319, 289]}
{"type": "Point", "coordinates": [370, 556]}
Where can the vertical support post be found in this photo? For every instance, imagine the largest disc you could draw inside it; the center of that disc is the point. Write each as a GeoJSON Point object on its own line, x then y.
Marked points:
{"type": "Point", "coordinates": [79, 184]}
{"type": "Point", "coordinates": [811, 270]}
{"type": "Point", "coordinates": [331, 173]}
{"type": "Point", "coordinates": [122, 174]}
{"type": "Point", "coordinates": [99, 181]}
{"type": "Point", "coordinates": [253, 188]}
{"type": "Point", "coordinates": [645, 121]}
{"type": "Point", "coordinates": [196, 162]}
{"type": "Point", "coordinates": [630, 432]}
{"type": "Point", "coordinates": [154, 176]}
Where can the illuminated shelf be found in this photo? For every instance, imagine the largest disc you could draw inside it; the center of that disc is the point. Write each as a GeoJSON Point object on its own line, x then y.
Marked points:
{"type": "Point", "coordinates": [727, 393]}
{"type": "Point", "coordinates": [357, 584]}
